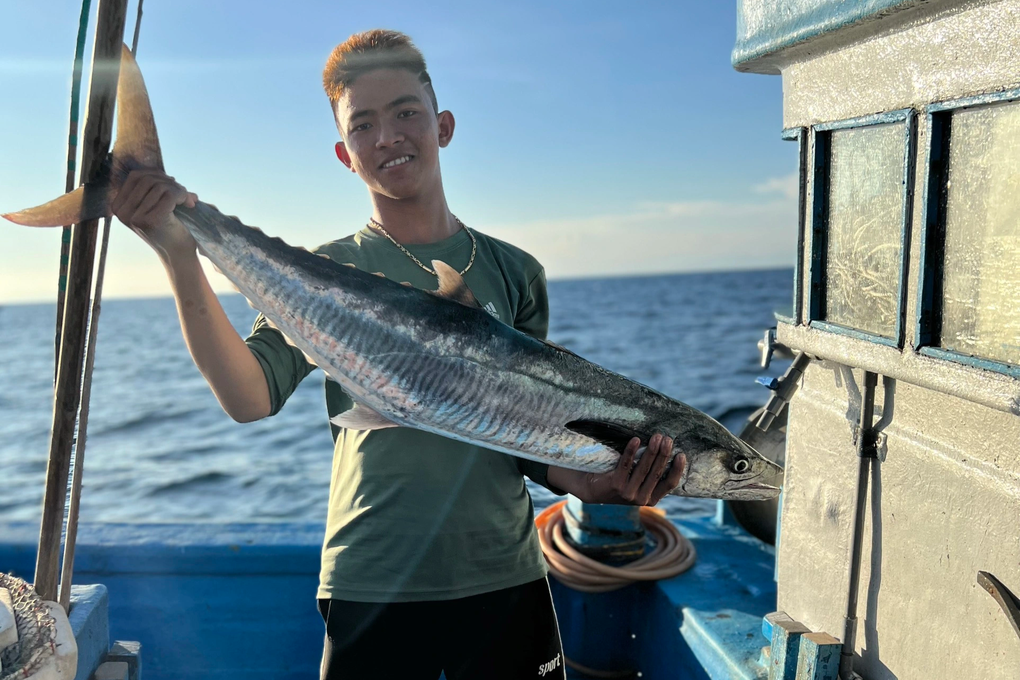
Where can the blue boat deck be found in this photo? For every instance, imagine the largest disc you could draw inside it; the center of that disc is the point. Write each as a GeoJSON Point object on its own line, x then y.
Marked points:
{"type": "Point", "coordinates": [238, 601]}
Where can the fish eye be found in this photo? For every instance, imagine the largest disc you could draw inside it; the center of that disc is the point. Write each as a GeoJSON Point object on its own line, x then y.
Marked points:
{"type": "Point", "coordinates": [741, 465]}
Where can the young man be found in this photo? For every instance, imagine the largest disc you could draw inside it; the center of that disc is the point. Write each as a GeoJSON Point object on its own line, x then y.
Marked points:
{"type": "Point", "coordinates": [430, 561]}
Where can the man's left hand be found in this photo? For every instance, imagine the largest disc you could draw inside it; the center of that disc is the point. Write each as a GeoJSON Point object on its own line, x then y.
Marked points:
{"type": "Point", "coordinates": [643, 483]}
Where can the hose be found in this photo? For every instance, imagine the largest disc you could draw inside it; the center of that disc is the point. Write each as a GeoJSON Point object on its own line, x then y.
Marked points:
{"type": "Point", "coordinates": [673, 554]}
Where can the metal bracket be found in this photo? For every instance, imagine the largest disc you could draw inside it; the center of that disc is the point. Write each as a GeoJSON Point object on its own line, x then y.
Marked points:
{"type": "Point", "coordinates": [769, 346]}
{"type": "Point", "coordinates": [783, 391]}
{"type": "Point", "coordinates": [1009, 602]}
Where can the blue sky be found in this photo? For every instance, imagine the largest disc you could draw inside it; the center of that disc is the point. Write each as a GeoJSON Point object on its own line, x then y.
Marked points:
{"type": "Point", "coordinates": [605, 138]}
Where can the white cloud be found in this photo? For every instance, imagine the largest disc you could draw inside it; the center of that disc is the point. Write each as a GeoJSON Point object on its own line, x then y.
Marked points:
{"type": "Point", "coordinates": [661, 237]}
{"type": "Point", "coordinates": [655, 237]}
{"type": "Point", "coordinates": [788, 186]}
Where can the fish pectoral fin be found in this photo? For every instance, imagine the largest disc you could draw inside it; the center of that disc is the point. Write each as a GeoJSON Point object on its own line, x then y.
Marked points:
{"type": "Point", "coordinates": [362, 417]}
{"type": "Point", "coordinates": [613, 435]}
{"type": "Point", "coordinates": [452, 286]}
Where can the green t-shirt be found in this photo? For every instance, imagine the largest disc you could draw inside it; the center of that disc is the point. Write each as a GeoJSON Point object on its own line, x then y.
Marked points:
{"type": "Point", "coordinates": [413, 515]}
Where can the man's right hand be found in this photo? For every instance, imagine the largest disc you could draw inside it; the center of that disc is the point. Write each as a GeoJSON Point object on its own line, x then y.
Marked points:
{"type": "Point", "coordinates": [145, 203]}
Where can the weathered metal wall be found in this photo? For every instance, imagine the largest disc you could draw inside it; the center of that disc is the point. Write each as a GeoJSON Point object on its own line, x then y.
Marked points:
{"type": "Point", "coordinates": [945, 501]}
{"type": "Point", "coordinates": [971, 51]}
{"type": "Point", "coordinates": [943, 504]}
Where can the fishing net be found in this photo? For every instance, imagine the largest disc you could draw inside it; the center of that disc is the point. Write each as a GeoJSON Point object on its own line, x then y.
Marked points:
{"type": "Point", "coordinates": [37, 631]}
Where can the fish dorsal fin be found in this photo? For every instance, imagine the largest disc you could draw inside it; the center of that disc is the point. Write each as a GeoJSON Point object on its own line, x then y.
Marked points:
{"type": "Point", "coordinates": [137, 145]}
{"type": "Point", "coordinates": [452, 286]}
{"type": "Point", "coordinates": [611, 434]}
{"type": "Point", "coordinates": [362, 417]}
{"type": "Point", "coordinates": [559, 347]}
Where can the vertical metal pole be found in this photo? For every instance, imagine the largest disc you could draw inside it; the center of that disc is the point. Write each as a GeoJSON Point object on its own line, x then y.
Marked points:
{"type": "Point", "coordinates": [72, 157]}
{"type": "Point", "coordinates": [98, 131]}
{"type": "Point", "coordinates": [865, 452]}
{"type": "Point", "coordinates": [138, 26]}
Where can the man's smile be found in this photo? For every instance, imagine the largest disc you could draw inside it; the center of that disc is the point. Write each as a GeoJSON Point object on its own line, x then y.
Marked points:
{"type": "Point", "coordinates": [397, 161]}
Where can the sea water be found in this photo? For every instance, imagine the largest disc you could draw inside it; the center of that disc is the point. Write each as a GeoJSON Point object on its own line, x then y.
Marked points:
{"type": "Point", "coordinates": [159, 448]}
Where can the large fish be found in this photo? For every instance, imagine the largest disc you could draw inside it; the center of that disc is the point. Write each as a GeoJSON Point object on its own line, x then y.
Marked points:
{"type": "Point", "coordinates": [429, 360]}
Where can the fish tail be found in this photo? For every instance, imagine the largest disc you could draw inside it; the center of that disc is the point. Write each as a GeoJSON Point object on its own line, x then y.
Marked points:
{"type": "Point", "coordinates": [136, 147]}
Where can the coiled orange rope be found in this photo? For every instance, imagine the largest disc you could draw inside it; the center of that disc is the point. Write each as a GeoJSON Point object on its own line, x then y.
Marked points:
{"type": "Point", "coordinates": [673, 554]}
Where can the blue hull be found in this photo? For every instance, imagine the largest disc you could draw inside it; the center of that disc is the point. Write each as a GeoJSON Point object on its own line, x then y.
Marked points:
{"type": "Point", "coordinates": [238, 601]}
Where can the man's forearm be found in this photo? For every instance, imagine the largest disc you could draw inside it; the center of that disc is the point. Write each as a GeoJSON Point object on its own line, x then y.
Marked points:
{"type": "Point", "coordinates": [232, 371]}
{"type": "Point", "coordinates": [573, 482]}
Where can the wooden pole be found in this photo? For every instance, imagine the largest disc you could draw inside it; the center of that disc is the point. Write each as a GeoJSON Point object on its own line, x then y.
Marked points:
{"type": "Point", "coordinates": [96, 143]}
{"type": "Point", "coordinates": [71, 536]}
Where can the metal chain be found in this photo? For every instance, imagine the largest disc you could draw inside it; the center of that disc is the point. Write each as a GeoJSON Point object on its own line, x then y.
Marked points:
{"type": "Point", "coordinates": [373, 224]}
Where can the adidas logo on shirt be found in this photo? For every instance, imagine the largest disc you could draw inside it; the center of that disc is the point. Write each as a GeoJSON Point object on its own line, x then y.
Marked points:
{"type": "Point", "coordinates": [491, 309]}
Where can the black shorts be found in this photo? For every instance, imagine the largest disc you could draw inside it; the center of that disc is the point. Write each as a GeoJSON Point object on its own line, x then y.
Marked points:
{"type": "Point", "coordinates": [507, 634]}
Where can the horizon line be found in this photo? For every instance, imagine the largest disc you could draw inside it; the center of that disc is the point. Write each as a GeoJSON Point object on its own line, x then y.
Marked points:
{"type": "Point", "coordinates": [553, 279]}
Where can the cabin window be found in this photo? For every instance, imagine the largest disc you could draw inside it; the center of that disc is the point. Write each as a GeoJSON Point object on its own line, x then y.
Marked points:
{"type": "Point", "coordinates": [973, 299]}
{"type": "Point", "coordinates": [861, 204]}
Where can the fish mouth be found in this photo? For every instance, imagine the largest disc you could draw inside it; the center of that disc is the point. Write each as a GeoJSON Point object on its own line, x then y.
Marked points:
{"type": "Point", "coordinates": [396, 162]}
{"type": "Point", "coordinates": [755, 491]}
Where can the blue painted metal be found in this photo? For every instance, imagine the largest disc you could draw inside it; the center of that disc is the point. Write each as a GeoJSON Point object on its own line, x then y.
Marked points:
{"type": "Point", "coordinates": [928, 326]}
{"type": "Point", "coordinates": [237, 601]}
{"type": "Point", "coordinates": [612, 534]}
{"type": "Point", "coordinates": [766, 27]}
{"type": "Point", "coordinates": [909, 165]}
{"type": "Point", "coordinates": [819, 225]}
{"type": "Point", "coordinates": [791, 134]}
{"type": "Point", "coordinates": [883, 118]}
{"type": "Point", "coordinates": [799, 135]}
{"type": "Point", "coordinates": [968, 360]}
{"type": "Point", "coordinates": [766, 626]}
{"type": "Point", "coordinates": [779, 535]}
{"type": "Point", "coordinates": [929, 301]}
{"type": "Point", "coordinates": [229, 601]}
{"type": "Point", "coordinates": [1000, 97]}
{"type": "Point", "coordinates": [89, 617]}
{"type": "Point", "coordinates": [852, 332]}
{"type": "Point", "coordinates": [786, 634]}
{"type": "Point", "coordinates": [608, 631]}
{"type": "Point", "coordinates": [768, 381]}
{"type": "Point", "coordinates": [818, 658]}
{"type": "Point", "coordinates": [820, 220]}
{"type": "Point", "coordinates": [719, 603]}
{"type": "Point", "coordinates": [724, 515]}
{"type": "Point", "coordinates": [130, 653]}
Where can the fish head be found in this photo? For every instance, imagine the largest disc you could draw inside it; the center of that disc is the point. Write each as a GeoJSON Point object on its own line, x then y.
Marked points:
{"type": "Point", "coordinates": [719, 465]}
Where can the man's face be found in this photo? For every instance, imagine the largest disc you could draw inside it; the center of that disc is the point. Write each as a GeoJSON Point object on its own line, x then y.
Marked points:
{"type": "Point", "coordinates": [391, 133]}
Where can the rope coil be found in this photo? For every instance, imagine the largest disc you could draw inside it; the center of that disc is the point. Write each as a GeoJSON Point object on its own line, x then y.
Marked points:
{"type": "Point", "coordinates": [673, 554]}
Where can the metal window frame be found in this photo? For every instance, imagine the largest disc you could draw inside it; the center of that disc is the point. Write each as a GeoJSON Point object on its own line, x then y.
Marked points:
{"type": "Point", "coordinates": [933, 232]}
{"type": "Point", "coordinates": [822, 144]}
{"type": "Point", "coordinates": [799, 135]}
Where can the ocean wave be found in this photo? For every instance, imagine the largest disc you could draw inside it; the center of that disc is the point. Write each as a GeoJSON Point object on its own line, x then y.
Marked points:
{"type": "Point", "coordinates": [140, 421]}
{"type": "Point", "coordinates": [190, 483]}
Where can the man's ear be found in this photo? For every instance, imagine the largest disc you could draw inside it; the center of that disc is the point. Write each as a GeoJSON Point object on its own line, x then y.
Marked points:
{"type": "Point", "coordinates": [345, 158]}
{"type": "Point", "coordinates": [446, 125]}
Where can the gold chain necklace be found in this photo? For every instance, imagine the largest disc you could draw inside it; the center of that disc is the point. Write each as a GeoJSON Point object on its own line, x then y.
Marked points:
{"type": "Point", "coordinates": [373, 224]}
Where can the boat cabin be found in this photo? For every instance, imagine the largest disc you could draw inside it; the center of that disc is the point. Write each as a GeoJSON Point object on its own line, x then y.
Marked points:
{"type": "Point", "coordinates": [907, 116]}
